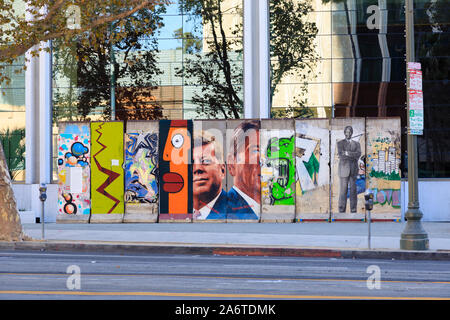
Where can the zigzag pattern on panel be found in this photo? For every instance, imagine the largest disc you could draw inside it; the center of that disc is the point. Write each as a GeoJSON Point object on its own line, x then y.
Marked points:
{"type": "Point", "coordinates": [111, 174]}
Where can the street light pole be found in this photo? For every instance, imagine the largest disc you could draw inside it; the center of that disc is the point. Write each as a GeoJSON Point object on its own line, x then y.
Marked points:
{"type": "Point", "coordinates": [414, 236]}
{"type": "Point", "coordinates": [113, 77]}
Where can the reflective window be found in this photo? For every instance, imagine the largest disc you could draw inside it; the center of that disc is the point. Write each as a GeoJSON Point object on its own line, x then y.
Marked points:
{"type": "Point", "coordinates": [12, 113]}
{"type": "Point", "coordinates": [188, 52]}
{"type": "Point", "coordinates": [352, 63]}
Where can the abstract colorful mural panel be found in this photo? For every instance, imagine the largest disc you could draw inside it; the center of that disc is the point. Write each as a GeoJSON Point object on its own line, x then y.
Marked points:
{"type": "Point", "coordinates": [175, 170]}
{"type": "Point", "coordinates": [348, 178]}
{"type": "Point", "coordinates": [209, 171]}
{"type": "Point", "coordinates": [107, 179]}
{"type": "Point", "coordinates": [74, 203]}
{"type": "Point", "coordinates": [141, 171]}
{"type": "Point", "coordinates": [277, 171]}
{"type": "Point", "coordinates": [243, 171]}
{"type": "Point", "coordinates": [312, 152]}
{"type": "Point", "coordinates": [383, 166]}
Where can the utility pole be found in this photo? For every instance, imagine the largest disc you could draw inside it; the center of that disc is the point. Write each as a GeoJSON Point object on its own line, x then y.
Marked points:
{"type": "Point", "coordinates": [414, 236]}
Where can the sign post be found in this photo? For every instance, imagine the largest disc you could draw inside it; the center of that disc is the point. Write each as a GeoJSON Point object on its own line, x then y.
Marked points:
{"type": "Point", "coordinates": [415, 97]}
{"type": "Point", "coordinates": [413, 236]}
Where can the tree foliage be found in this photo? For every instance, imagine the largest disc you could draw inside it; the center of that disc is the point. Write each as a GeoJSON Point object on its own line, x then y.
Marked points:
{"type": "Point", "coordinates": [218, 70]}
{"type": "Point", "coordinates": [13, 141]}
{"type": "Point", "coordinates": [292, 48]}
{"type": "Point", "coordinates": [128, 66]}
{"type": "Point", "coordinates": [46, 20]}
{"type": "Point", "coordinates": [214, 69]}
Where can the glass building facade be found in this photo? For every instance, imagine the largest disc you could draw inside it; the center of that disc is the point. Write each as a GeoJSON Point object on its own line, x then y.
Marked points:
{"type": "Point", "coordinates": [328, 58]}
{"type": "Point", "coordinates": [12, 113]}
{"type": "Point", "coordinates": [356, 67]}
{"type": "Point", "coordinates": [161, 74]}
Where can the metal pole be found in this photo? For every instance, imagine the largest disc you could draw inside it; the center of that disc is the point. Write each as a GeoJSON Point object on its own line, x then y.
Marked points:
{"type": "Point", "coordinates": [414, 236]}
{"type": "Point", "coordinates": [368, 235]}
{"type": "Point", "coordinates": [42, 221]}
{"type": "Point", "coordinates": [113, 77]}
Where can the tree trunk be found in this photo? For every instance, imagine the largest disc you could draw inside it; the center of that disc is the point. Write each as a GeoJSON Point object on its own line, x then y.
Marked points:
{"type": "Point", "coordinates": [10, 226]}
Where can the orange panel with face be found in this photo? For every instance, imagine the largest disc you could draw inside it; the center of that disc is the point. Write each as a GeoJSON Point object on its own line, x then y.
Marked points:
{"type": "Point", "coordinates": [176, 177]}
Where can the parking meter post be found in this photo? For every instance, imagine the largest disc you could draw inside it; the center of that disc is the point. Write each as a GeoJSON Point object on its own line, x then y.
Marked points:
{"type": "Point", "coordinates": [42, 222]}
{"type": "Point", "coordinates": [42, 197]}
{"type": "Point", "coordinates": [369, 222]}
{"type": "Point", "coordinates": [368, 196]}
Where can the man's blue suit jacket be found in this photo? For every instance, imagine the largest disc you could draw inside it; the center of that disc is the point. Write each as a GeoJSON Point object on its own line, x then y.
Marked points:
{"type": "Point", "coordinates": [238, 208]}
{"type": "Point", "coordinates": [219, 210]}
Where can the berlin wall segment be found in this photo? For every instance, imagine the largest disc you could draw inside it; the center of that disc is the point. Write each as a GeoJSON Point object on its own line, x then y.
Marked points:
{"type": "Point", "coordinates": [241, 170]}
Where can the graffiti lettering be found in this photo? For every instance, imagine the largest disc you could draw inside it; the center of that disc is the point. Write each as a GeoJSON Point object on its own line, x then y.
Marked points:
{"type": "Point", "coordinates": [390, 197]}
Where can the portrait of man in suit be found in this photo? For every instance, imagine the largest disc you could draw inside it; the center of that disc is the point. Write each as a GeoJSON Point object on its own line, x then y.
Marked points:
{"type": "Point", "coordinates": [209, 197]}
{"type": "Point", "coordinates": [243, 163]}
{"type": "Point", "coordinates": [349, 152]}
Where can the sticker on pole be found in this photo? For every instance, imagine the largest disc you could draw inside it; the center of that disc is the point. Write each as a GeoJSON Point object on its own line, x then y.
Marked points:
{"type": "Point", "coordinates": [415, 99]}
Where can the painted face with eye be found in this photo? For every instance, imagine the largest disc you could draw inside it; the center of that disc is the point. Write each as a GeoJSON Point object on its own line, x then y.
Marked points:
{"type": "Point", "coordinates": [177, 146]}
{"type": "Point", "coordinates": [175, 182]}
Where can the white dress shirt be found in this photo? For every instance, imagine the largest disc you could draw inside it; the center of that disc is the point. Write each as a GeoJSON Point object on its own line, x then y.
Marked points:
{"type": "Point", "coordinates": [203, 213]}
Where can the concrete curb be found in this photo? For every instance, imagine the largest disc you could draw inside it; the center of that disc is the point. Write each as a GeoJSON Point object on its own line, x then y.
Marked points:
{"type": "Point", "coordinates": [219, 249]}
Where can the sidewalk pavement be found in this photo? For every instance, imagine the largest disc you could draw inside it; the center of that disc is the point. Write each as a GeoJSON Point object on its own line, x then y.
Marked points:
{"type": "Point", "coordinates": [321, 239]}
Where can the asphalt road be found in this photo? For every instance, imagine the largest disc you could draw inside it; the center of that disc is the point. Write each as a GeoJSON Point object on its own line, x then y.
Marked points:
{"type": "Point", "coordinates": [41, 275]}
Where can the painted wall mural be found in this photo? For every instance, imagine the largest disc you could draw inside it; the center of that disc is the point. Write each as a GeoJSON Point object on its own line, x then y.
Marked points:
{"type": "Point", "coordinates": [107, 172]}
{"type": "Point", "coordinates": [141, 171]}
{"type": "Point", "coordinates": [348, 179]}
{"type": "Point", "coordinates": [383, 167]}
{"type": "Point", "coordinates": [209, 172]}
{"type": "Point", "coordinates": [175, 161]}
{"type": "Point", "coordinates": [277, 171]}
{"type": "Point", "coordinates": [229, 170]}
{"type": "Point", "coordinates": [312, 145]}
{"type": "Point", "coordinates": [74, 201]}
{"type": "Point", "coordinates": [244, 170]}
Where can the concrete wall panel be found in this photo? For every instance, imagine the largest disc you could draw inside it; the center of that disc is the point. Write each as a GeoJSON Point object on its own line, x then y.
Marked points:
{"type": "Point", "coordinates": [347, 164]}
{"type": "Point", "coordinates": [243, 170]}
{"type": "Point", "coordinates": [209, 171]}
{"type": "Point", "coordinates": [383, 167]}
{"type": "Point", "coordinates": [312, 151]}
{"type": "Point", "coordinates": [175, 170]}
{"type": "Point", "coordinates": [277, 170]}
{"type": "Point", "coordinates": [107, 178]}
{"type": "Point", "coordinates": [74, 153]}
{"type": "Point", "coordinates": [141, 171]}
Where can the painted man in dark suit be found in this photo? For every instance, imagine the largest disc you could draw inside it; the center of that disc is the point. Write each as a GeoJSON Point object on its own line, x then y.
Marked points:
{"type": "Point", "coordinates": [209, 198]}
{"type": "Point", "coordinates": [349, 152]}
{"type": "Point", "coordinates": [244, 197]}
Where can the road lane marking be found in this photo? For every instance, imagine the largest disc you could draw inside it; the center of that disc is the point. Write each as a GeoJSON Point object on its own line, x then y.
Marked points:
{"type": "Point", "coordinates": [222, 277]}
{"type": "Point", "coordinates": [211, 295]}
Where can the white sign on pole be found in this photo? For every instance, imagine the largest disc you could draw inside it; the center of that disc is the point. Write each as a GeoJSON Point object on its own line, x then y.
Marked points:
{"type": "Point", "coordinates": [415, 97]}
{"type": "Point", "coordinates": [415, 80]}
{"type": "Point", "coordinates": [414, 66]}
{"type": "Point", "coordinates": [415, 100]}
